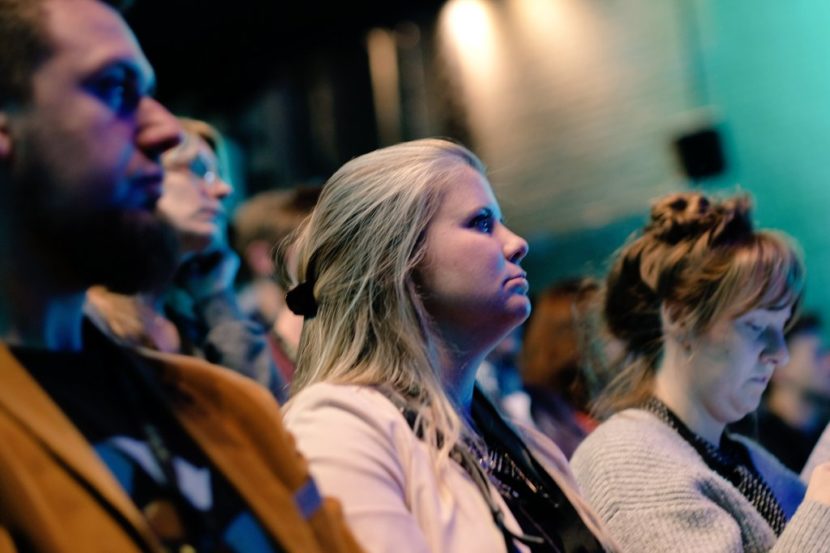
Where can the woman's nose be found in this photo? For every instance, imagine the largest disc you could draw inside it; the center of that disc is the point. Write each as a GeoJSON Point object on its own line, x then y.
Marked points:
{"type": "Point", "coordinates": [515, 247]}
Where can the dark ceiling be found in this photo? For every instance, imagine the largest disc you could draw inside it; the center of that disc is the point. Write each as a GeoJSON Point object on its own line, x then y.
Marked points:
{"type": "Point", "coordinates": [215, 54]}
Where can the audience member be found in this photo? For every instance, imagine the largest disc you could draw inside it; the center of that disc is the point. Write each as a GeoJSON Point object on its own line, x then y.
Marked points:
{"type": "Point", "coordinates": [553, 361]}
{"type": "Point", "coordinates": [196, 313]}
{"type": "Point", "coordinates": [498, 377]}
{"type": "Point", "coordinates": [261, 223]}
{"type": "Point", "coordinates": [796, 407]}
{"type": "Point", "coordinates": [106, 448]}
{"type": "Point", "coordinates": [701, 301]}
{"type": "Point", "coordinates": [408, 277]}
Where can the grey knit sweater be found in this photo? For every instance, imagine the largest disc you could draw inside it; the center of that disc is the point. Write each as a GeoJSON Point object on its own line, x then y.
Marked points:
{"type": "Point", "coordinates": [656, 494]}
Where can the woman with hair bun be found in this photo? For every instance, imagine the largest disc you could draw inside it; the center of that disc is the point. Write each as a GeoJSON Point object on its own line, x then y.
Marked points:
{"type": "Point", "coordinates": [409, 277]}
{"type": "Point", "coordinates": [701, 300]}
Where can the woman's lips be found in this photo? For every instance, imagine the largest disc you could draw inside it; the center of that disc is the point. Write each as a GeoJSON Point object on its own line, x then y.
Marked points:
{"type": "Point", "coordinates": [518, 283]}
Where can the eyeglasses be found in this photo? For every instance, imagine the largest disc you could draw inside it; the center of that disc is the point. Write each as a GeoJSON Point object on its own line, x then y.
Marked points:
{"type": "Point", "coordinates": [200, 167]}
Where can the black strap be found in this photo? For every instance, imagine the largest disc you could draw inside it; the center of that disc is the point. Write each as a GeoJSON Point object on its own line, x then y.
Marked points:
{"type": "Point", "coordinates": [564, 522]}
{"type": "Point", "coordinates": [465, 459]}
{"type": "Point", "coordinates": [572, 535]}
{"type": "Point", "coordinates": [138, 385]}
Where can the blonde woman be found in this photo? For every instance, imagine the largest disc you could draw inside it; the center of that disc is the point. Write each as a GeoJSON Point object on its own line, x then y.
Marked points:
{"type": "Point", "coordinates": [408, 277]}
{"type": "Point", "coordinates": [701, 301]}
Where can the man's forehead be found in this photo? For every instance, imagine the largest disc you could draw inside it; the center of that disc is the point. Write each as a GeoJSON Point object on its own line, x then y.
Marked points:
{"type": "Point", "coordinates": [93, 35]}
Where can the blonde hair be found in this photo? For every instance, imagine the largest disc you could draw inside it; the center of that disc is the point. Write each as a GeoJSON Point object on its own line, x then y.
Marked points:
{"type": "Point", "coordinates": [360, 247]}
{"type": "Point", "coordinates": [699, 260]}
{"type": "Point", "coordinates": [187, 150]}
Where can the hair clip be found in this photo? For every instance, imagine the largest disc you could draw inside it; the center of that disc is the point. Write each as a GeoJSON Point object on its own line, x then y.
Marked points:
{"type": "Point", "coordinates": [300, 300]}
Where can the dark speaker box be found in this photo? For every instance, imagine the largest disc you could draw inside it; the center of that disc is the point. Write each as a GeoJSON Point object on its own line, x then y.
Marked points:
{"type": "Point", "coordinates": [701, 153]}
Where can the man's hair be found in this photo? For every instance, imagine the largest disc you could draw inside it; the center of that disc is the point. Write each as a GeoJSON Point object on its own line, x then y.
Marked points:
{"type": "Point", "coordinates": [24, 45]}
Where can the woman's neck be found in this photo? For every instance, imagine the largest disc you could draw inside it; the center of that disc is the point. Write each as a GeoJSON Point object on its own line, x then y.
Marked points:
{"type": "Point", "coordinates": [672, 387]}
{"type": "Point", "coordinates": [458, 372]}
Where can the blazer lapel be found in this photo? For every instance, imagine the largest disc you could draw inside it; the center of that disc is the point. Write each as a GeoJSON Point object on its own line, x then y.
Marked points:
{"type": "Point", "coordinates": [229, 449]}
{"type": "Point", "coordinates": [24, 400]}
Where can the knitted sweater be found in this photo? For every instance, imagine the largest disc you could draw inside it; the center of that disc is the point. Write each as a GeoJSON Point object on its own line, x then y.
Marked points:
{"type": "Point", "coordinates": [656, 494]}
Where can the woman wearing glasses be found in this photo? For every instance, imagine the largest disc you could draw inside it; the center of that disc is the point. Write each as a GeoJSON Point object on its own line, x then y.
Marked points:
{"type": "Point", "coordinates": [197, 313]}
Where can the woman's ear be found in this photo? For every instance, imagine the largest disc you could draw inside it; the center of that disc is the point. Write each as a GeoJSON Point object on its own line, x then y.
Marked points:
{"type": "Point", "coordinates": [674, 328]}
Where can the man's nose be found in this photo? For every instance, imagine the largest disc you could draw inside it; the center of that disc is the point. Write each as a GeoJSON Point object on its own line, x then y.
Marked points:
{"type": "Point", "coordinates": [158, 129]}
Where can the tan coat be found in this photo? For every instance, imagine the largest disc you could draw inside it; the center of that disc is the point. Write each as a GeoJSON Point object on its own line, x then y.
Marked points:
{"type": "Point", "coordinates": [56, 495]}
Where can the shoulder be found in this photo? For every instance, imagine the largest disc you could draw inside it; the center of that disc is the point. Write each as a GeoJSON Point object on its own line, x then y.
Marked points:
{"type": "Point", "coordinates": [631, 436]}
{"type": "Point", "coordinates": [206, 395]}
{"type": "Point", "coordinates": [345, 419]}
{"type": "Point", "coordinates": [655, 492]}
{"type": "Point", "coordinates": [199, 380]}
{"type": "Point", "coordinates": [634, 458]}
{"type": "Point", "coordinates": [347, 400]}
{"type": "Point", "coordinates": [192, 375]}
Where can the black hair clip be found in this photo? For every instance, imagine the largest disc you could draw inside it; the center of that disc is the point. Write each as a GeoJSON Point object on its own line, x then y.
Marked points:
{"type": "Point", "coordinates": [300, 300]}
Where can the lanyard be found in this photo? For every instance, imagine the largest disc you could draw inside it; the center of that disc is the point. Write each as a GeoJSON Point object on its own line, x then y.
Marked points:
{"type": "Point", "coordinates": [198, 527]}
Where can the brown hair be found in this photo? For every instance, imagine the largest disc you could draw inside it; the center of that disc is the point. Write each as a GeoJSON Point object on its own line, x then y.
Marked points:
{"type": "Point", "coordinates": [697, 260]}
{"type": "Point", "coordinates": [273, 215]}
{"type": "Point", "coordinates": [553, 353]}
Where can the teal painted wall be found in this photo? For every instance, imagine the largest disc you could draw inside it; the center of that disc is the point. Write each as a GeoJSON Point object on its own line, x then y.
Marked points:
{"type": "Point", "coordinates": [767, 67]}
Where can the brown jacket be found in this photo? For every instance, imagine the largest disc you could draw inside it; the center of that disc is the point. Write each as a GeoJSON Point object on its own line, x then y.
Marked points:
{"type": "Point", "coordinates": [56, 495]}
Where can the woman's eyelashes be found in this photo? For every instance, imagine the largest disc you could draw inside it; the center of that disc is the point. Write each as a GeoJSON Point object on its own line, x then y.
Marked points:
{"type": "Point", "coordinates": [760, 328]}
{"type": "Point", "coordinates": [484, 221]}
{"type": "Point", "coordinates": [754, 326]}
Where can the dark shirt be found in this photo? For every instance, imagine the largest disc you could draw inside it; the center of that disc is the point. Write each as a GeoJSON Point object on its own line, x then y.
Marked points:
{"type": "Point", "coordinates": [197, 505]}
{"type": "Point", "coordinates": [535, 500]}
{"type": "Point", "coordinates": [790, 445]}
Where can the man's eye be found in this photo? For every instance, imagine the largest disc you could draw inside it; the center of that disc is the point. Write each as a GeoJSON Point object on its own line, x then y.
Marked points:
{"type": "Point", "coordinates": [120, 93]}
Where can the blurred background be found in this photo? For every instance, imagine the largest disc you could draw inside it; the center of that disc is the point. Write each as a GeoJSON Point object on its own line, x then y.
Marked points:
{"type": "Point", "coordinates": [583, 110]}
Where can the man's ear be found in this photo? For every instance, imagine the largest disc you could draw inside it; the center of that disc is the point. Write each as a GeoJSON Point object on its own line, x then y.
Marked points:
{"type": "Point", "coordinates": [5, 135]}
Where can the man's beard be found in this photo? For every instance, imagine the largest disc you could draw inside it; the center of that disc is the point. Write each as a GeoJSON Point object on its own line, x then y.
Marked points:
{"type": "Point", "coordinates": [126, 250]}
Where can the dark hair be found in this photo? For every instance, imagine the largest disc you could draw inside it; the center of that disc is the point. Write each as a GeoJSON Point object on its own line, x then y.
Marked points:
{"type": "Point", "coordinates": [23, 47]}
{"type": "Point", "coordinates": [697, 260]}
{"type": "Point", "coordinates": [806, 323]}
{"type": "Point", "coordinates": [25, 44]}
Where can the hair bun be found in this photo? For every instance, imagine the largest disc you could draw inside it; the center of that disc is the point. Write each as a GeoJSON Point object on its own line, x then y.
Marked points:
{"type": "Point", "coordinates": [691, 215]}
